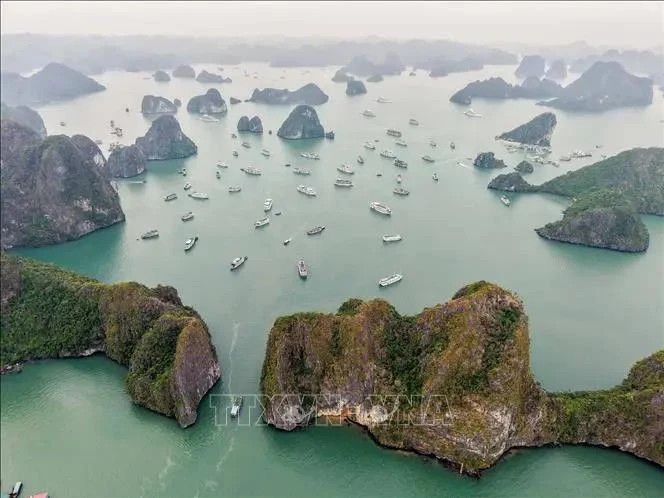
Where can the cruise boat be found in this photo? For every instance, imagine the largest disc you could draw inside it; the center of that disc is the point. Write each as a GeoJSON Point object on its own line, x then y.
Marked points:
{"type": "Point", "coordinates": [208, 119]}
{"type": "Point", "coordinates": [392, 238]}
{"type": "Point", "coordinates": [237, 405]}
{"type": "Point", "coordinates": [346, 168]}
{"type": "Point", "coordinates": [190, 243]}
{"type": "Point", "coordinates": [380, 208]}
{"type": "Point", "coordinates": [302, 269]}
{"type": "Point", "coordinates": [472, 114]}
{"type": "Point", "coordinates": [199, 195]}
{"type": "Point", "coordinates": [250, 170]}
{"type": "Point", "coordinates": [222, 165]}
{"type": "Point", "coordinates": [187, 216]}
{"type": "Point", "coordinates": [301, 171]}
{"type": "Point", "coordinates": [171, 197]}
{"type": "Point", "coordinates": [151, 234]}
{"type": "Point", "coordinates": [399, 178]}
{"type": "Point", "coordinates": [340, 182]}
{"type": "Point", "coordinates": [433, 143]}
{"type": "Point", "coordinates": [369, 145]}
{"type": "Point", "coordinates": [435, 177]}
{"type": "Point", "coordinates": [235, 153]}
{"type": "Point", "coordinates": [392, 279]}
{"type": "Point", "coordinates": [316, 230]}
{"type": "Point", "coordinates": [393, 133]}
{"type": "Point", "coordinates": [383, 100]}
{"type": "Point", "coordinates": [413, 122]}
{"type": "Point", "coordinates": [401, 142]}
{"type": "Point", "coordinates": [237, 262]}
{"type": "Point", "coordinates": [187, 186]}
{"type": "Point", "coordinates": [287, 241]}
{"type": "Point", "coordinates": [505, 200]}
{"type": "Point", "coordinates": [388, 154]}
{"type": "Point", "coordinates": [262, 222]}
{"type": "Point", "coordinates": [310, 155]}
{"type": "Point", "coordinates": [368, 113]}
{"type": "Point", "coordinates": [578, 154]}
{"type": "Point", "coordinates": [266, 152]}
{"type": "Point", "coordinates": [303, 189]}
{"type": "Point", "coordinates": [246, 145]}
{"type": "Point", "coordinates": [401, 191]}
{"type": "Point", "coordinates": [428, 158]}
{"type": "Point", "coordinates": [234, 188]}
{"type": "Point", "coordinates": [400, 163]}
{"type": "Point", "coordinates": [360, 160]}
{"type": "Point", "coordinates": [267, 205]}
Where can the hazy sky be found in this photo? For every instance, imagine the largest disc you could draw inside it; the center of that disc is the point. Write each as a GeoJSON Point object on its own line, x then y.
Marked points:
{"type": "Point", "coordinates": [620, 24]}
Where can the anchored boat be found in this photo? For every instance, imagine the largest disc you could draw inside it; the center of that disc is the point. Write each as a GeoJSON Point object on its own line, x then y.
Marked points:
{"type": "Point", "coordinates": [187, 186]}
{"type": "Point", "coordinates": [171, 197]}
{"type": "Point", "coordinates": [250, 170]}
{"type": "Point", "coordinates": [262, 222]}
{"type": "Point", "coordinates": [413, 122]}
{"type": "Point", "coordinates": [151, 234]}
{"type": "Point", "coordinates": [301, 171]}
{"type": "Point", "coordinates": [391, 238]}
{"type": "Point", "coordinates": [360, 160]}
{"type": "Point", "coordinates": [346, 168]}
{"type": "Point", "coordinates": [302, 269]}
{"type": "Point", "coordinates": [401, 191]}
{"type": "Point", "coordinates": [505, 200]}
{"type": "Point", "coordinates": [234, 188]}
{"type": "Point", "coordinates": [400, 163]}
{"type": "Point", "coordinates": [369, 145]}
{"type": "Point", "coordinates": [187, 216]}
{"type": "Point", "coordinates": [380, 208]}
{"type": "Point", "coordinates": [190, 243]}
{"type": "Point", "coordinates": [428, 158]}
{"type": "Point", "coordinates": [267, 205]}
{"type": "Point", "coordinates": [392, 279]}
{"type": "Point", "coordinates": [237, 262]}
{"type": "Point", "coordinates": [388, 154]}
{"type": "Point", "coordinates": [341, 182]}
{"type": "Point", "coordinates": [316, 230]}
{"type": "Point", "coordinates": [393, 133]}
{"type": "Point", "coordinates": [199, 195]}
{"type": "Point", "coordinates": [303, 189]}
{"type": "Point", "coordinates": [368, 113]}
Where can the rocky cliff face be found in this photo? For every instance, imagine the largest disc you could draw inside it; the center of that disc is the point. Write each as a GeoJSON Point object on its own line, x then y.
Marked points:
{"type": "Point", "coordinates": [52, 190]}
{"type": "Point", "coordinates": [531, 65]}
{"type": "Point", "coordinates": [184, 72]}
{"type": "Point", "coordinates": [452, 382]}
{"type": "Point", "coordinates": [511, 182]}
{"type": "Point", "coordinates": [48, 312]}
{"type": "Point", "coordinates": [498, 88]}
{"type": "Point", "coordinates": [161, 76]}
{"type": "Point", "coordinates": [355, 87]}
{"type": "Point", "coordinates": [125, 162]}
{"type": "Point", "coordinates": [53, 82]}
{"type": "Point", "coordinates": [604, 86]}
{"type": "Point", "coordinates": [210, 103]}
{"type": "Point", "coordinates": [557, 70]}
{"type": "Point", "coordinates": [487, 160]}
{"type": "Point", "coordinates": [253, 125]}
{"type": "Point", "coordinates": [205, 77]}
{"type": "Point", "coordinates": [301, 123]}
{"type": "Point", "coordinates": [309, 94]}
{"type": "Point", "coordinates": [90, 150]}
{"type": "Point", "coordinates": [24, 116]}
{"type": "Point", "coordinates": [165, 140]}
{"type": "Point", "coordinates": [157, 105]}
{"type": "Point", "coordinates": [341, 76]}
{"type": "Point", "coordinates": [537, 131]}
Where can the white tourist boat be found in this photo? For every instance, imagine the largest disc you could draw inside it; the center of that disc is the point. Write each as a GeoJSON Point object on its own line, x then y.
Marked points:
{"type": "Point", "coordinates": [433, 143]}
{"type": "Point", "coordinates": [383, 100]}
{"type": "Point", "coordinates": [341, 182]}
{"type": "Point", "coordinates": [505, 200]}
{"type": "Point", "coordinates": [301, 171]}
{"type": "Point", "coordinates": [187, 216]}
{"type": "Point", "coordinates": [310, 155]}
{"type": "Point", "coordinates": [392, 279]}
{"type": "Point", "coordinates": [428, 158]}
{"type": "Point", "coordinates": [150, 234]}
{"type": "Point", "coordinates": [401, 142]}
{"type": "Point", "coordinates": [246, 145]}
{"type": "Point", "coordinates": [472, 114]}
{"type": "Point", "coordinates": [222, 165]}
{"type": "Point", "coordinates": [199, 195]}
{"type": "Point", "coordinates": [287, 241]}
{"type": "Point", "coordinates": [302, 269]}
{"type": "Point", "coordinates": [368, 113]}
{"type": "Point", "coordinates": [237, 262]}
{"type": "Point", "coordinates": [387, 153]}
{"type": "Point", "coordinates": [399, 179]}
{"type": "Point", "coordinates": [262, 222]}
{"type": "Point", "coordinates": [380, 208]}
{"type": "Point", "coordinates": [316, 230]}
{"type": "Point", "coordinates": [187, 186]}
{"type": "Point", "coordinates": [267, 205]}
{"type": "Point", "coordinates": [234, 188]}
{"type": "Point", "coordinates": [435, 177]}
{"type": "Point", "coordinates": [400, 163]}
{"type": "Point", "coordinates": [266, 152]}
{"type": "Point", "coordinates": [171, 197]}
{"type": "Point", "coordinates": [393, 133]}
{"type": "Point", "coordinates": [236, 406]}
{"type": "Point", "coordinates": [190, 243]}
{"type": "Point", "coordinates": [346, 168]}
{"type": "Point", "coordinates": [369, 145]}
{"type": "Point", "coordinates": [235, 153]}
{"type": "Point", "coordinates": [401, 191]}
{"type": "Point", "coordinates": [250, 170]}
{"type": "Point", "coordinates": [392, 238]}
{"type": "Point", "coordinates": [303, 189]}
{"type": "Point", "coordinates": [413, 122]}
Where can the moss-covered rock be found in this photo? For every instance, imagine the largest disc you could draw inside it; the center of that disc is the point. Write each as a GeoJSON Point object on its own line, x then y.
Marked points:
{"type": "Point", "coordinates": [48, 312]}
{"type": "Point", "coordinates": [452, 382]}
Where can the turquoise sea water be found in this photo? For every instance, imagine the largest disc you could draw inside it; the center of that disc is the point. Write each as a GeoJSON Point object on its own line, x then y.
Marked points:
{"type": "Point", "coordinates": [68, 426]}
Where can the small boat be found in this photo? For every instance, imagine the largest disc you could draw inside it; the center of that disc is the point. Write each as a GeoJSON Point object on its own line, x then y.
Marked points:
{"type": "Point", "coordinates": [303, 189]}
{"type": "Point", "coordinates": [62, 123]}
{"type": "Point", "coordinates": [301, 171]}
{"type": "Point", "coordinates": [340, 182]}
{"type": "Point", "coordinates": [287, 165]}
{"type": "Point", "coordinates": [302, 269]}
{"type": "Point", "coordinates": [235, 188]}
{"type": "Point", "coordinates": [16, 490]}
{"type": "Point", "coordinates": [199, 195]}
{"type": "Point", "coordinates": [391, 238]}
{"type": "Point", "coordinates": [413, 122]}
{"type": "Point", "coordinates": [250, 170]}
{"type": "Point", "coordinates": [237, 405]}
{"type": "Point", "coordinates": [392, 279]}
{"type": "Point", "coordinates": [399, 163]}
{"type": "Point", "coordinates": [435, 177]}
{"type": "Point", "coordinates": [171, 197]}
{"type": "Point", "coordinates": [360, 160]}
{"type": "Point", "coordinates": [369, 145]}
{"type": "Point", "coordinates": [233, 135]}
{"type": "Point", "coordinates": [452, 145]}
{"type": "Point", "coordinates": [472, 114]}
{"type": "Point", "coordinates": [310, 155]}
{"type": "Point", "coordinates": [262, 222]}
{"type": "Point", "coordinates": [218, 174]}
{"type": "Point", "coordinates": [222, 165]}
{"type": "Point", "coordinates": [368, 113]}
{"type": "Point", "coordinates": [379, 174]}
{"type": "Point", "coordinates": [401, 191]}
{"type": "Point", "coordinates": [187, 216]}
{"type": "Point", "coordinates": [190, 243]}
{"type": "Point", "coordinates": [393, 133]}
{"type": "Point", "coordinates": [287, 241]}
{"type": "Point", "coordinates": [237, 262]}
{"type": "Point", "coordinates": [399, 178]}
{"type": "Point", "coordinates": [428, 158]}
{"type": "Point", "coordinates": [380, 208]}
{"type": "Point", "coordinates": [388, 154]}
{"type": "Point", "coordinates": [505, 200]}
{"type": "Point", "coordinates": [383, 100]}
{"type": "Point", "coordinates": [266, 152]}
{"type": "Point", "coordinates": [183, 172]}
{"type": "Point", "coordinates": [346, 168]}
{"type": "Point", "coordinates": [151, 234]}
{"type": "Point", "coordinates": [277, 213]}
{"type": "Point", "coordinates": [401, 142]}
{"type": "Point", "coordinates": [208, 119]}
{"type": "Point", "coordinates": [235, 153]}
{"type": "Point", "coordinates": [187, 186]}
{"type": "Point", "coordinates": [433, 143]}
{"type": "Point", "coordinates": [267, 205]}
{"type": "Point", "coordinates": [316, 230]}
{"type": "Point", "coordinates": [246, 145]}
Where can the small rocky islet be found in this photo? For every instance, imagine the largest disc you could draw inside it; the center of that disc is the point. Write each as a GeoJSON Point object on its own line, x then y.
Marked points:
{"type": "Point", "coordinates": [537, 131]}
{"type": "Point", "coordinates": [165, 140]}
{"type": "Point", "coordinates": [253, 125]}
{"type": "Point", "coordinates": [310, 94]}
{"type": "Point", "coordinates": [152, 104]}
{"type": "Point", "coordinates": [355, 87]}
{"type": "Point", "coordinates": [302, 123]}
{"type": "Point", "coordinates": [25, 116]}
{"type": "Point", "coordinates": [209, 103]}
{"type": "Point", "coordinates": [207, 77]}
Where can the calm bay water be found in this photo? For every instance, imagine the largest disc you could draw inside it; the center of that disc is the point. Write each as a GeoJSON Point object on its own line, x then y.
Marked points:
{"type": "Point", "coordinates": [67, 426]}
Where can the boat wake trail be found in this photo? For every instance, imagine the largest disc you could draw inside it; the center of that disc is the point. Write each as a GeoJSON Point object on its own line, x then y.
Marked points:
{"type": "Point", "coordinates": [223, 458]}
{"type": "Point", "coordinates": [236, 330]}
